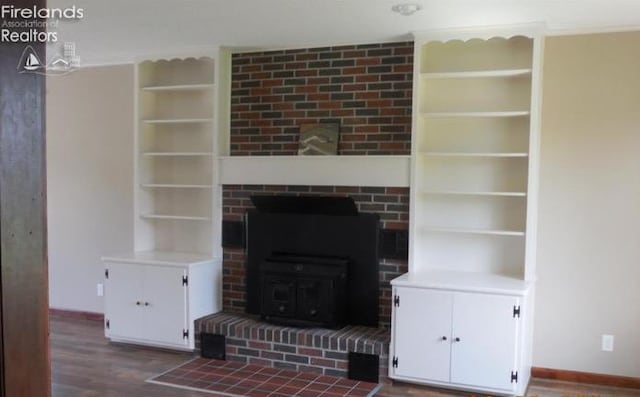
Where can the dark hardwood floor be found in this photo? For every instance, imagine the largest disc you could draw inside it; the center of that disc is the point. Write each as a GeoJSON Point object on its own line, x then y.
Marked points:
{"type": "Point", "coordinates": [84, 364]}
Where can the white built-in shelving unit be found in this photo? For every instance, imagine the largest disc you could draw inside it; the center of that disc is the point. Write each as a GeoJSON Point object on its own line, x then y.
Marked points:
{"type": "Point", "coordinates": [474, 170]}
{"type": "Point", "coordinates": [475, 152]}
{"type": "Point", "coordinates": [178, 216]}
{"type": "Point", "coordinates": [175, 179]}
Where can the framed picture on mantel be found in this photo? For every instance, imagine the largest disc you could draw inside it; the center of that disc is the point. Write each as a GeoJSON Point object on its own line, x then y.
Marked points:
{"type": "Point", "coordinates": [319, 139]}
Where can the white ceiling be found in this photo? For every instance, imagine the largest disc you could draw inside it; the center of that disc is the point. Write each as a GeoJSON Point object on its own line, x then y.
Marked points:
{"type": "Point", "coordinates": [116, 31]}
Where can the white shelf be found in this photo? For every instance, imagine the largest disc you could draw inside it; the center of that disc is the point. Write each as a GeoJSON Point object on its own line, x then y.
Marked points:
{"type": "Point", "coordinates": [162, 258]}
{"type": "Point", "coordinates": [177, 204]}
{"type": "Point", "coordinates": [469, 193]}
{"type": "Point", "coordinates": [177, 154]}
{"type": "Point", "coordinates": [493, 232]}
{"type": "Point", "coordinates": [515, 113]}
{"type": "Point", "coordinates": [173, 186]}
{"type": "Point", "coordinates": [464, 281]}
{"type": "Point", "coordinates": [477, 74]}
{"type": "Point", "coordinates": [470, 154]}
{"type": "Point", "coordinates": [474, 133]}
{"type": "Point", "coordinates": [177, 121]}
{"type": "Point", "coordinates": [175, 217]}
{"type": "Point", "coordinates": [179, 87]}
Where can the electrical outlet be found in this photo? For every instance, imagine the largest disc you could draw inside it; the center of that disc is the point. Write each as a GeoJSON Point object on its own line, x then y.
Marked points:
{"type": "Point", "coordinates": [607, 343]}
{"type": "Point", "coordinates": [100, 289]}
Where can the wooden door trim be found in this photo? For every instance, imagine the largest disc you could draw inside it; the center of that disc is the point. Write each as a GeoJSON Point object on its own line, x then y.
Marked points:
{"type": "Point", "coordinates": [23, 228]}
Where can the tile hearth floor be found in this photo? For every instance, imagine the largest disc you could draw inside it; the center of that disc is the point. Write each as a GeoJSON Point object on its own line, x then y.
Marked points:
{"type": "Point", "coordinates": [239, 379]}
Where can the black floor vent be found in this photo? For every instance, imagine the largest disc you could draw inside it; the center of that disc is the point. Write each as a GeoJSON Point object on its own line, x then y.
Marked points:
{"type": "Point", "coordinates": [212, 346]}
{"type": "Point", "coordinates": [364, 367]}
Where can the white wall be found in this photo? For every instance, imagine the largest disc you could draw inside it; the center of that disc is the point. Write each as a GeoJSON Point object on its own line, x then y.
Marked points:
{"type": "Point", "coordinates": [89, 180]}
{"type": "Point", "coordinates": [589, 225]}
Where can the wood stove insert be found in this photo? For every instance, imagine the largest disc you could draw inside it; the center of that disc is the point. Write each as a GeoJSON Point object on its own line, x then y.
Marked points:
{"type": "Point", "coordinates": [305, 291]}
{"type": "Point", "coordinates": [312, 261]}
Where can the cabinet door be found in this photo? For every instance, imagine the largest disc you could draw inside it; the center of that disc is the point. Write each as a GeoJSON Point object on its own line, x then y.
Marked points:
{"type": "Point", "coordinates": [165, 305]}
{"type": "Point", "coordinates": [486, 352]}
{"type": "Point", "coordinates": [422, 329]}
{"type": "Point", "coordinates": [123, 300]}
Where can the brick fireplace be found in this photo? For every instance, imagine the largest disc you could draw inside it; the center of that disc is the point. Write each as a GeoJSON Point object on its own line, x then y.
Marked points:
{"type": "Point", "coordinates": [367, 90]}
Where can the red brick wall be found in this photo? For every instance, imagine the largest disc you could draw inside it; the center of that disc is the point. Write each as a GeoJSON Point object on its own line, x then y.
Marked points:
{"type": "Point", "coordinates": [391, 203]}
{"type": "Point", "coordinates": [367, 89]}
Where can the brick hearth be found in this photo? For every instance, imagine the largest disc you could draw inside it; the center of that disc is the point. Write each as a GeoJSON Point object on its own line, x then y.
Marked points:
{"type": "Point", "coordinates": [317, 350]}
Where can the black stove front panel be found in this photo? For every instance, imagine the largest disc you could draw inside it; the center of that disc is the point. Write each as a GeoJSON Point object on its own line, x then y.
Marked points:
{"type": "Point", "coordinates": [304, 291]}
{"type": "Point", "coordinates": [315, 239]}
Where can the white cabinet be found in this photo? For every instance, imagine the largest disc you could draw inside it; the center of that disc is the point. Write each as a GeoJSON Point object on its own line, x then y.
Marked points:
{"type": "Point", "coordinates": [468, 339]}
{"type": "Point", "coordinates": [154, 298]}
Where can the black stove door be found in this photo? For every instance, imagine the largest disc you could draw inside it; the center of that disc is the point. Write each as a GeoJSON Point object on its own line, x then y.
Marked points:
{"type": "Point", "coordinates": [315, 300]}
{"type": "Point", "coordinates": [278, 296]}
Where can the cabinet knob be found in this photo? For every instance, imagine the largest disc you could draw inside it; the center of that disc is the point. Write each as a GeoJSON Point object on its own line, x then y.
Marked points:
{"type": "Point", "coordinates": [146, 303]}
{"type": "Point", "coordinates": [457, 339]}
{"type": "Point", "coordinates": [138, 303]}
{"type": "Point", "coordinates": [444, 338]}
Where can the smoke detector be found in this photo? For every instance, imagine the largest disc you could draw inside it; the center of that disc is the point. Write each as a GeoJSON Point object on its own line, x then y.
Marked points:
{"type": "Point", "coordinates": [406, 9]}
